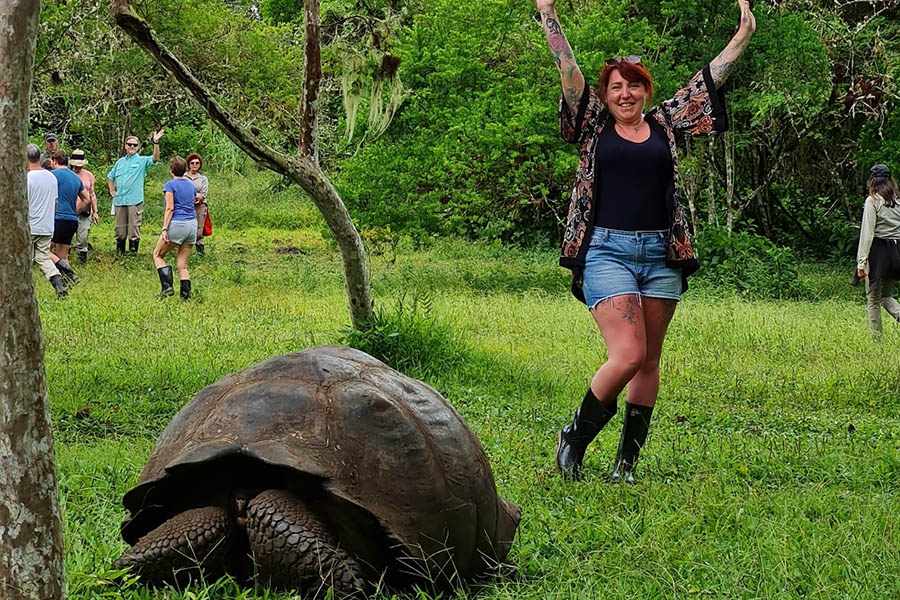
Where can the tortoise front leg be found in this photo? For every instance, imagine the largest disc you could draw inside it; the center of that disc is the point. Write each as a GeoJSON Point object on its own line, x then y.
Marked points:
{"type": "Point", "coordinates": [174, 551]}
{"type": "Point", "coordinates": [293, 548]}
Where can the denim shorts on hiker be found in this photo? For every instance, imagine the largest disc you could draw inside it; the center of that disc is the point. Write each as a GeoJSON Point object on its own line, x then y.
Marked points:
{"type": "Point", "coordinates": [628, 262]}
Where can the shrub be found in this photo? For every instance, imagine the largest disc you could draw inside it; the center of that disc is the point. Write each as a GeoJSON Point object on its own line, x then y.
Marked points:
{"type": "Point", "coordinates": [410, 340]}
{"type": "Point", "coordinates": [748, 263]}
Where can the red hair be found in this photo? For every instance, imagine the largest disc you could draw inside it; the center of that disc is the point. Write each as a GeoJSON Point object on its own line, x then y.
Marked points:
{"type": "Point", "coordinates": [632, 72]}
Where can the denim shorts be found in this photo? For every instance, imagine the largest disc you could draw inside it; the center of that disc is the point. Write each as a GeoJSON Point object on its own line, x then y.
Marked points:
{"type": "Point", "coordinates": [628, 262]}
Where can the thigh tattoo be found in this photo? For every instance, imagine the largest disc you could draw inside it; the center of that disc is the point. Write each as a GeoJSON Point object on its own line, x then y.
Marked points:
{"type": "Point", "coordinates": [628, 306]}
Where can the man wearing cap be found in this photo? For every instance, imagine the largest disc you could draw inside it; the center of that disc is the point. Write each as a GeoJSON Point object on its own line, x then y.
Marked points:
{"type": "Point", "coordinates": [89, 214]}
{"type": "Point", "coordinates": [42, 192]}
{"type": "Point", "coordinates": [51, 143]}
{"type": "Point", "coordinates": [71, 200]}
{"type": "Point", "coordinates": [126, 186]}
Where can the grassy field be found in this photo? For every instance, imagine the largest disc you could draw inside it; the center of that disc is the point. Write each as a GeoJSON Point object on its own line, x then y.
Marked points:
{"type": "Point", "coordinates": [772, 469]}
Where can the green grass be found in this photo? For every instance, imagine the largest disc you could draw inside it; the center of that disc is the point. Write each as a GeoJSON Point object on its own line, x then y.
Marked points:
{"type": "Point", "coordinates": [772, 470]}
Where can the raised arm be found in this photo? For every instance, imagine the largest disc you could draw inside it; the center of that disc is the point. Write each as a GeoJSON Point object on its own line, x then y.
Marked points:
{"type": "Point", "coordinates": [721, 65]}
{"type": "Point", "coordinates": [157, 135]}
{"type": "Point", "coordinates": [572, 79]}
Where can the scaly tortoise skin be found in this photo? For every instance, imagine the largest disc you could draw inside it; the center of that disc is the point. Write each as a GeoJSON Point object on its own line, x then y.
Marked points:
{"type": "Point", "coordinates": [323, 468]}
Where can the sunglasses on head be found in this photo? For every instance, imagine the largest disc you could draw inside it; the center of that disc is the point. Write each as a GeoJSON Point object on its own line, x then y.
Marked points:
{"type": "Point", "coordinates": [131, 144]}
{"type": "Point", "coordinates": [635, 60]}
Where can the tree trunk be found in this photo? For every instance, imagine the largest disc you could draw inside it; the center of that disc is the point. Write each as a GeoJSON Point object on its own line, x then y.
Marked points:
{"type": "Point", "coordinates": [730, 203]}
{"type": "Point", "coordinates": [689, 185]}
{"type": "Point", "coordinates": [31, 559]}
{"type": "Point", "coordinates": [303, 169]}
{"type": "Point", "coordinates": [712, 216]}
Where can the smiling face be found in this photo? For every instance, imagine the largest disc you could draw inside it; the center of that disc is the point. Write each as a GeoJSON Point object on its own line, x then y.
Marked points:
{"type": "Point", "coordinates": [625, 99]}
{"type": "Point", "coordinates": [131, 145]}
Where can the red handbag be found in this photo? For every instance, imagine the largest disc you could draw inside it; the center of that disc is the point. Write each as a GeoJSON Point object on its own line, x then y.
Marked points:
{"type": "Point", "coordinates": [207, 225]}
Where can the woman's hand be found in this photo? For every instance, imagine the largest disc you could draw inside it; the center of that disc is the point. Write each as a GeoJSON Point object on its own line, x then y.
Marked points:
{"type": "Point", "coordinates": [748, 22]}
{"type": "Point", "coordinates": [545, 4]}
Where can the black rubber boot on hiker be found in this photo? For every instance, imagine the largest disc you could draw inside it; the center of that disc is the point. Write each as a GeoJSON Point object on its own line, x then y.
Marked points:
{"type": "Point", "coordinates": [634, 436]}
{"type": "Point", "coordinates": [120, 246]}
{"type": "Point", "coordinates": [185, 289]}
{"type": "Point", "coordinates": [573, 439]}
{"type": "Point", "coordinates": [201, 250]}
{"type": "Point", "coordinates": [66, 271]}
{"type": "Point", "coordinates": [133, 246]}
{"type": "Point", "coordinates": [58, 285]}
{"type": "Point", "coordinates": [165, 281]}
{"type": "Point", "coordinates": [82, 257]}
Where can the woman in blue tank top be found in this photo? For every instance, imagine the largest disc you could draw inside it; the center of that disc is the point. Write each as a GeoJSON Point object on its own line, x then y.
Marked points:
{"type": "Point", "coordinates": [179, 231]}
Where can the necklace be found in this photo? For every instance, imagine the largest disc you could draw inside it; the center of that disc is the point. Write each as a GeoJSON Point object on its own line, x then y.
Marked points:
{"type": "Point", "coordinates": [634, 128]}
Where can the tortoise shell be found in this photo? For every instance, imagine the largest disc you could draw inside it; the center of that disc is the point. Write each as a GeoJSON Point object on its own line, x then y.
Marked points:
{"type": "Point", "coordinates": [397, 473]}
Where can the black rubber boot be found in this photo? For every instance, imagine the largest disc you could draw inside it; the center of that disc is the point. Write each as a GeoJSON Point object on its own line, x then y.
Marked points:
{"type": "Point", "coordinates": [165, 280]}
{"type": "Point", "coordinates": [573, 439]}
{"type": "Point", "coordinates": [66, 270]}
{"type": "Point", "coordinates": [200, 249]}
{"type": "Point", "coordinates": [133, 246]}
{"type": "Point", "coordinates": [120, 246]}
{"type": "Point", "coordinates": [82, 257]}
{"type": "Point", "coordinates": [185, 289]}
{"type": "Point", "coordinates": [634, 436]}
{"type": "Point", "coordinates": [58, 285]}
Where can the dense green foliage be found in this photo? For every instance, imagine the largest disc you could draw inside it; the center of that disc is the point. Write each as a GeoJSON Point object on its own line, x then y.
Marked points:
{"type": "Point", "coordinates": [772, 468]}
{"type": "Point", "coordinates": [474, 150]}
{"type": "Point", "coordinates": [747, 263]}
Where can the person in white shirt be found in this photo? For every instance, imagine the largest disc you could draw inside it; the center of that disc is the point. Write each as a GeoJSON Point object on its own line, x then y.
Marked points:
{"type": "Point", "coordinates": [42, 194]}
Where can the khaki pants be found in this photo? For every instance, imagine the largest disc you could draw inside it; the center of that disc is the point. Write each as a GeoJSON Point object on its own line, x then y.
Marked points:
{"type": "Point", "coordinates": [128, 222]}
{"type": "Point", "coordinates": [876, 298]}
{"type": "Point", "coordinates": [81, 236]}
{"type": "Point", "coordinates": [200, 209]}
{"type": "Point", "coordinates": [40, 253]}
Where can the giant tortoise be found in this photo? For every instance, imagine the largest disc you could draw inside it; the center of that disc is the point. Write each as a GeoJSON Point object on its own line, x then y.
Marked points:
{"type": "Point", "coordinates": [323, 468]}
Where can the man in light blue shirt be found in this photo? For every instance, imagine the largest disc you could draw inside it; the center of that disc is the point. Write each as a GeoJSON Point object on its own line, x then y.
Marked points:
{"type": "Point", "coordinates": [126, 186]}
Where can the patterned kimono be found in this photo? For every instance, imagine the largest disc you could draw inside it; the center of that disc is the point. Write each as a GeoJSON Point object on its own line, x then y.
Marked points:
{"type": "Point", "coordinates": [693, 109]}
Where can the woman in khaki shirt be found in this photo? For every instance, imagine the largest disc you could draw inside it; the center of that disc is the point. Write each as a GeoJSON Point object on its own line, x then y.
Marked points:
{"type": "Point", "coordinates": [878, 256]}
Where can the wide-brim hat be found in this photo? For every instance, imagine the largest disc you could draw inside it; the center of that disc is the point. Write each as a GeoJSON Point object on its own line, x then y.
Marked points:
{"type": "Point", "coordinates": [876, 171]}
{"type": "Point", "coordinates": [77, 159]}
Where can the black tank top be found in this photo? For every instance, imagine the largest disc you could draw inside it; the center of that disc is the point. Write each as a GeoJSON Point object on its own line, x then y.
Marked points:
{"type": "Point", "coordinates": [631, 182]}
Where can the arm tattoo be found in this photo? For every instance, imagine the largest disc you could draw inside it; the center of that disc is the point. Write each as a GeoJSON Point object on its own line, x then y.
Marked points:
{"type": "Point", "coordinates": [558, 43]}
{"type": "Point", "coordinates": [553, 27]}
{"type": "Point", "coordinates": [564, 58]}
{"type": "Point", "coordinates": [720, 70]}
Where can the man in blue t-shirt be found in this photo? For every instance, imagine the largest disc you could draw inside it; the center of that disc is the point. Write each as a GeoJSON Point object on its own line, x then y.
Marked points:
{"type": "Point", "coordinates": [72, 199]}
{"type": "Point", "coordinates": [126, 186]}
